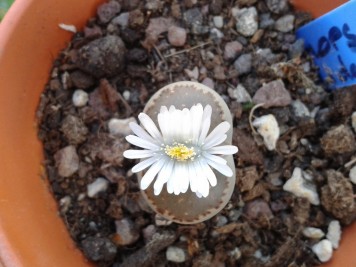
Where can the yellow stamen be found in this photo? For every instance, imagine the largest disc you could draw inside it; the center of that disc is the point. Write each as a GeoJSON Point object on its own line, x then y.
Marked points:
{"type": "Point", "coordinates": [180, 152]}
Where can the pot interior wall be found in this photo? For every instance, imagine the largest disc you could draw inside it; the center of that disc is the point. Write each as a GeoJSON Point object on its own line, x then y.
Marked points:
{"type": "Point", "coordinates": [31, 232]}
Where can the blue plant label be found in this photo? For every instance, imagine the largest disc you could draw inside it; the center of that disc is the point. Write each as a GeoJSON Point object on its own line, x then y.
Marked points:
{"type": "Point", "coordinates": [331, 40]}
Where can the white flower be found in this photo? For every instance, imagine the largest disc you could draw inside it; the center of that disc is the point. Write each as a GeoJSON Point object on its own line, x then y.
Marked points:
{"type": "Point", "coordinates": [182, 152]}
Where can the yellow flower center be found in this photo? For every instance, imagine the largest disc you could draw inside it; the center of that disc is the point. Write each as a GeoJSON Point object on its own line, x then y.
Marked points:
{"type": "Point", "coordinates": [180, 152]}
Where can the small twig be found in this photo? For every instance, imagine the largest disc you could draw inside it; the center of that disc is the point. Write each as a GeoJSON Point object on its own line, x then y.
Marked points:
{"type": "Point", "coordinates": [188, 49]}
{"type": "Point", "coordinates": [160, 55]}
{"type": "Point", "coordinates": [251, 115]}
{"type": "Point", "coordinates": [350, 163]}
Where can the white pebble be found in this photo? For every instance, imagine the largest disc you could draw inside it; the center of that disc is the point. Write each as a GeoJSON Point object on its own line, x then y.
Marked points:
{"type": "Point", "coordinates": [161, 221]}
{"type": "Point", "coordinates": [126, 94]}
{"type": "Point", "coordinates": [80, 98]}
{"type": "Point", "coordinates": [334, 233]}
{"type": "Point", "coordinates": [99, 185]}
{"type": "Point", "coordinates": [298, 186]}
{"type": "Point", "coordinates": [67, 27]}
{"type": "Point", "coordinates": [312, 232]}
{"type": "Point", "coordinates": [352, 174]}
{"type": "Point", "coordinates": [267, 127]}
{"type": "Point", "coordinates": [120, 126]}
{"type": "Point", "coordinates": [240, 94]}
{"type": "Point", "coordinates": [235, 253]}
{"type": "Point", "coordinates": [323, 250]}
{"type": "Point", "coordinates": [353, 121]}
{"type": "Point", "coordinates": [218, 21]}
{"type": "Point", "coordinates": [175, 254]}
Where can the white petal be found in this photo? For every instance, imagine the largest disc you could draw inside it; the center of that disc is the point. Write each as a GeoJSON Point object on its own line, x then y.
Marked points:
{"type": "Point", "coordinates": [196, 112]}
{"type": "Point", "coordinates": [192, 177]}
{"type": "Point", "coordinates": [145, 164]}
{"type": "Point", "coordinates": [137, 141]}
{"type": "Point", "coordinates": [140, 132]}
{"type": "Point", "coordinates": [208, 172]}
{"type": "Point", "coordinates": [211, 157]}
{"type": "Point", "coordinates": [202, 181]}
{"type": "Point", "coordinates": [223, 150]}
{"type": "Point", "coordinates": [205, 124]}
{"type": "Point", "coordinates": [151, 174]}
{"type": "Point", "coordinates": [184, 181]}
{"type": "Point", "coordinates": [163, 176]}
{"type": "Point", "coordinates": [138, 154]}
{"type": "Point", "coordinates": [223, 169]}
{"type": "Point", "coordinates": [178, 174]}
{"type": "Point", "coordinates": [219, 130]}
{"type": "Point", "coordinates": [150, 126]}
{"type": "Point", "coordinates": [217, 140]}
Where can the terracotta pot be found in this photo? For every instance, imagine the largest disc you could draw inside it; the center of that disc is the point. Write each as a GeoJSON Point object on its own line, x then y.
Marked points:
{"type": "Point", "coordinates": [316, 7]}
{"type": "Point", "coordinates": [31, 232]}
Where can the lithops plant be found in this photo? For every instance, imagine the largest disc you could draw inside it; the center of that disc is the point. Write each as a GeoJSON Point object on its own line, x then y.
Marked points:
{"type": "Point", "coordinates": [190, 172]}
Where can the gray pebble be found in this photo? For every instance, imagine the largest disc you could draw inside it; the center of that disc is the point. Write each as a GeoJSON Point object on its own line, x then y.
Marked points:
{"type": "Point", "coordinates": [296, 49]}
{"type": "Point", "coordinates": [122, 20]}
{"type": "Point", "coordinates": [221, 220]}
{"type": "Point", "coordinates": [300, 110]}
{"type": "Point", "coordinates": [67, 161]}
{"type": "Point", "coordinates": [193, 16]}
{"type": "Point", "coordinates": [175, 254]}
{"type": "Point", "coordinates": [285, 23]}
{"type": "Point", "coordinates": [266, 21]}
{"type": "Point", "coordinates": [126, 232]}
{"type": "Point", "coordinates": [277, 6]}
{"type": "Point", "coordinates": [246, 21]}
{"type": "Point", "coordinates": [99, 249]}
{"type": "Point", "coordinates": [218, 21]}
{"type": "Point", "coordinates": [243, 64]}
{"type": "Point", "coordinates": [240, 94]}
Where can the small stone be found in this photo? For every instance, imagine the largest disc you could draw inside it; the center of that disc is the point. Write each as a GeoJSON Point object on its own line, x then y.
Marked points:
{"type": "Point", "coordinates": [232, 50]}
{"type": "Point", "coordinates": [161, 221]}
{"type": "Point", "coordinates": [137, 55]}
{"type": "Point", "coordinates": [240, 94]}
{"type": "Point", "coordinates": [193, 16]}
{"type": "Point", "coordinates": [285, 23]}
{"type": "Point", "coordinates": [94, 32]}
{"type": "Point", "coordinates": [96, 187]}
{"type": "Point", "coordinates": [64, 203]}
{"type": "Point", "coordinates": [192, 74]}
{"type": "Point", "coordinates": [243, 64]}
{"type": "Point", "coordinates": [312, 232]}
{"type": "Point", "coordinates": [338, 140]}
{"type": "Point", "coordinates": [80, 98]}
{"type": "Point", "coordinates": [258, 255]}
{"type": "Point", "coordinates": [126, 95]}
{"type": "Point", "coordinates": [300, 110]}
{"type": "Point", "coordinates": [221, 221]}
{"type": "Point", "coordinates": [208, 82]}
{"type": "Point", "coordinates": [273, 94]}
{"type": "Point", "coordinates": [353, 121]}
{"type": "Point", "coordinates": [155, 28]}
{"type": "Point", "coordinates": [352, 174]}
{"type": "Point", "coordinates": [296, 49]}
{"type": "Point", "coordinates": [298, 186]}
{"type": "Point", "coordinates": [198, 29]}
{"type": "Point", "coordinates": [266, 21]}
{"type": "Point", "coordinates": [323, 250]}
{"type": "Point", "coordinates": [148, 232]}
{"type": "Point", "coordinates": [277, 6]}
{"type": "Point", "coordinates": [102, 57]}
{"type": "Point", "coordinates": [154, 5]}
{"type": "Point", "coordinates": [258, 208]}
{"type": "Point", "coordinates": [120, 126]}
{"type": "Point", "coordinates": [175, 254]}
{"type": "Point", "coordinates": [235, 253]}
{"type": "Point", "coordinates": [246, 21]}
{"type": "Point", "coordinates": [136, 18]}
{"type": "Point", "coordinates": [67, 161]}
{"type": "Point", "coordinates": [81, 79]}
{"type": "Point", "coordinates": [334, 233]}
{"type": "Point", "coordinates": [107, 11]}
{"type": "Point", "coordinates": [215, 7]}
{"type": "Point", "coordinates": [219, 73]}
{"type": "Point", "coordinates": [267, 127]}
{"type": "Point", "coordinates": [122, 20]}
{"type": "Point", "coordinates": [218, 21]}
{"type": "Point", "coordinates": [177, 36]}
{"type": "Point", "coordinates": [126, 233]}
{"type": "Point", "coordinates": [216, 34]}
{"type": "Point", "coordinates": [74, 129]}
{"type": "Point", "coordinates": [99, 249]}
